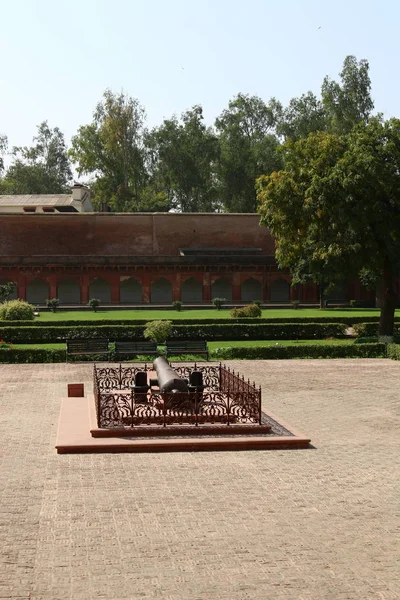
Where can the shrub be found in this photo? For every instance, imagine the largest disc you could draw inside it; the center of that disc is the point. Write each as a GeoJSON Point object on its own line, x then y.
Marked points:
{"type": "Point", "coordinates": [94, 303]}
{"type": "Point", "coordinates": [34, 355]}
{"type": "Point", "coordinates": [53, 304]}
{"type": "Point", "coordinates": [16, 310]}
{"type": "Point", "coordinates": [258, 302]}
{"type": "Point", "coordinates": [4, 345]}
{"type": "Point", "coordinates": [6, 290]}
{"type": "Point", "coordinates": [393, 351]}
{"type": "Point", "coordinates": [250, 311]}
{"type": "Point", "coordinates": [219, 302]}
{"type": "Point", "coordinates": [303, 351]}
{"type": "Point", "coordinates": [158, 331]}
{"type": "Point", "coordinates": [295, 304]}
{"type": "Point", "coordinates": [193, 331]}
{"type": "Point", "coordinates": [177, 305]}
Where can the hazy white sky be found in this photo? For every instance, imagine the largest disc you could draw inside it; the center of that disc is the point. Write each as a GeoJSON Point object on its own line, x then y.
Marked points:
{"type": "Point", "coordinates": [58, 56]}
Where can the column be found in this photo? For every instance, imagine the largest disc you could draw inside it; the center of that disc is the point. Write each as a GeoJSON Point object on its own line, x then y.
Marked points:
{"type": "Point", "coordinates": [264, 288]}
{"type": "Point", "coordinates": [146, 288]}
{"type": "Point", "coordinates": [206, 288]}
{"type": "Point", "coordinates": [236, 292]}
{"type": "Point", "coordinates": [21, 286]}
{"type": "Point", "coordinates": [52, 286]}
{"type": "Point", "coordinates": [84, 281]}
{"type": "Point", "coordinates": [115, 290]}
{"type": "Point", "coordinates": [176, 287]}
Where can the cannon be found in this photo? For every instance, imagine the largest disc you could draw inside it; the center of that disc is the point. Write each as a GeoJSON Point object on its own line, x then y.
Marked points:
{"type": "Point", "coordinates": [168, 379]}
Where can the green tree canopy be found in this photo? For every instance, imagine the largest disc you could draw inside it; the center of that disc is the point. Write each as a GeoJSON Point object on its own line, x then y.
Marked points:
{"type": "Point", "coordinates": [110, 150]}
{"type": "Point", "coordinates": [3, 150]}
{"type": "Point", "coordinates": [182, 157]}
{"type": "Point", "coordinates": [42, 168]}
{"type": "Point", "coordinates": [248, 148]}
{"type": "Point", "coordinates": [349, 102]}
{"type": "Point", "coordinates": [334, 209]}
{"type": "Point", "coordinates": [302, 116]}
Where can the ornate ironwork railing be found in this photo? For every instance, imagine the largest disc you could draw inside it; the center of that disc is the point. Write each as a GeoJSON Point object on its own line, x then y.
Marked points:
{"type": "Point", "coordinates": [227, 399]}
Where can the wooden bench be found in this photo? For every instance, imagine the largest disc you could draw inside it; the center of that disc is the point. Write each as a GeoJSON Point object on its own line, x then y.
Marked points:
{"type": "Point", "coordinates": [136, 348]}
{"type": "Point", "coordinates": [178, 347]}
{"type": "Point", "coordinates": [90, 346]}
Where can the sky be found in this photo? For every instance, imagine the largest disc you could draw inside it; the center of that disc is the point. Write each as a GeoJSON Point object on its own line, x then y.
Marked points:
{"type": "Point", "coordinates": [58, 57]}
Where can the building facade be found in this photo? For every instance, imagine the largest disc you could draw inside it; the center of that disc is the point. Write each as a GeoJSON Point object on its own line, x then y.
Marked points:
{"type": "Point", "coordinates": [144, 258]}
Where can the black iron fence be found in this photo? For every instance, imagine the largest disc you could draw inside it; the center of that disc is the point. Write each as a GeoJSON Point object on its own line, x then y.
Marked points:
{"type": "Point", "coordinates": [227, 399]}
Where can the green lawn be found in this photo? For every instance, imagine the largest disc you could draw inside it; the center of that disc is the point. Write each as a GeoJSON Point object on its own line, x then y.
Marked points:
{"type": "Point", "coordinates": [212, 345]}
{"type": "Point", "coordinates": [270, 313]}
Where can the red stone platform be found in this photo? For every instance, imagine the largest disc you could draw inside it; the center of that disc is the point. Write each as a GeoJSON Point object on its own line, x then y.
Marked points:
{"type": "Point", "coordinates": [78, 433]}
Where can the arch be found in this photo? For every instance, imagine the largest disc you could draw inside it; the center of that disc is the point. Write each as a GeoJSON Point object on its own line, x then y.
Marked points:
{"type": "Point", "coordinates": [14, 294]}
{"type": "Point", "coordinates": [280, 291]}
{"type": "Point", "coordinates": [161, 291]}
{"type": "Point", "coordinates": [100, 289]}
{"type": "Point", "coordinates": [221, 288]}
{"type": "Point", "coordinates": [250, 290]}
{"type": "Point", "coordinates": [37, 291]}
{"type": "Point", "coordinates": [192, 291]}
{"type": "Point", "coordinates": [69, 291]}
{"type": "Point", "coordinates": [130, 291]}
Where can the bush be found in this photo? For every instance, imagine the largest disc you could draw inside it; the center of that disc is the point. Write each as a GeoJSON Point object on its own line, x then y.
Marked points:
{"type": "Point", "coordinates": [301, 351]}
{"type": "Point", "coordinates": [158, 331]}
{"type": "Point", "coordinates": [219, 302]}
{"type": "Point", "coordinates": [53, 304]}
{"type": "Point", "coordinates": [371, 329]}
{"type": "Point", "coordinates": [258, 302]}
{"type": "Point", "coordinates": [16, 310]}
{"type": "Point", "coordinates": [393, 351]}
{"type": "Point", "coordinates": [262, 331]}
{"type": "Point", "coordinates": [6, 290]}
{"type": "Point", "coordinates": [34, 355]}
{"type": "Point", "coordinates": [94, 303]}
{"type": "Point", "coordinates": [177, 305]}
{"type": "Point", "coordinates": [295, 304]}
{"type": "Point", "coordinates": [250, 311]}
{"type": "Point", "coordinates": [196, 331]}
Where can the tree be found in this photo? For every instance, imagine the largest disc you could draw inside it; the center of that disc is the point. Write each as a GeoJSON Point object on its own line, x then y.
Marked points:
{"type": "Point", "coordinates": [182, 159]}
{"type": "Point", "coordinates": [302, 116]}
{"type": "Point", "coordinates": [335, 208]}
{"type": "Point", "coordinates": [6, 290]}
{"type": "Point", "coordinates": [248, 149]}
{"type": "Point", "coordinates": [3, 150]}
{"type": "Point", "coordinates": [42, 168]}
{"type": "Point", "coordinates": [111, 150]}
{"type": "Point", "coordinates": [350, 102]}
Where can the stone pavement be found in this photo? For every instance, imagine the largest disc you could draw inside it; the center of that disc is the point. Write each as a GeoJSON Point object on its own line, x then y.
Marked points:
{"type": "Point", "coordinates": [301, 524]}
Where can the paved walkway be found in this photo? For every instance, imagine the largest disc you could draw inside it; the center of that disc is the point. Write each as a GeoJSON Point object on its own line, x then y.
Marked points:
{"type": "Point", "coordinates": [306, 525]}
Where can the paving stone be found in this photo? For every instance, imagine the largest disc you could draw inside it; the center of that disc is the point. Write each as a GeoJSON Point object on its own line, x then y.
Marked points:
{"type": "Point", "coordinates": [299, 524]}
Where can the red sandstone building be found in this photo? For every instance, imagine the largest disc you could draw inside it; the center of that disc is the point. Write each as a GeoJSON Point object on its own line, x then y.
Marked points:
{"type": "Point", "coordinates": [143, 258]}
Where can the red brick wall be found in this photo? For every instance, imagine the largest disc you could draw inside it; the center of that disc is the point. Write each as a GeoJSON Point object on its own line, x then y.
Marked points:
{"type": "Point", "coordinates": [128, 234]}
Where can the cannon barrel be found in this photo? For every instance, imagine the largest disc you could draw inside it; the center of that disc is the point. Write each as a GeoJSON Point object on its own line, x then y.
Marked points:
{"type": "Point", "coordinates": [168, 379]}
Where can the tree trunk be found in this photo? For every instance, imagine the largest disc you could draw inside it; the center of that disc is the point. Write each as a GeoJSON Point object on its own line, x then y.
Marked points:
{"type": "Point", "coordinates": [321, 290]}
{"type": "Point", "coordinates": [387, 300]}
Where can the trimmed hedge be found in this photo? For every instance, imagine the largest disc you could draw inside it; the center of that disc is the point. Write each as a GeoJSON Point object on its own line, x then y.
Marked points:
{"type": "Point", "coordinates": [393, 351]}
{"type": "Point", "coordinates": [349, 321]}
{"type": "Point", "coordinates": [303, 351]}
{"type": "Point", "coordinates": [371, 329]}
{"type": "Point", "coordinates": [38, 355]}
{"type": "Point", "coordinates": [230, 331]}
